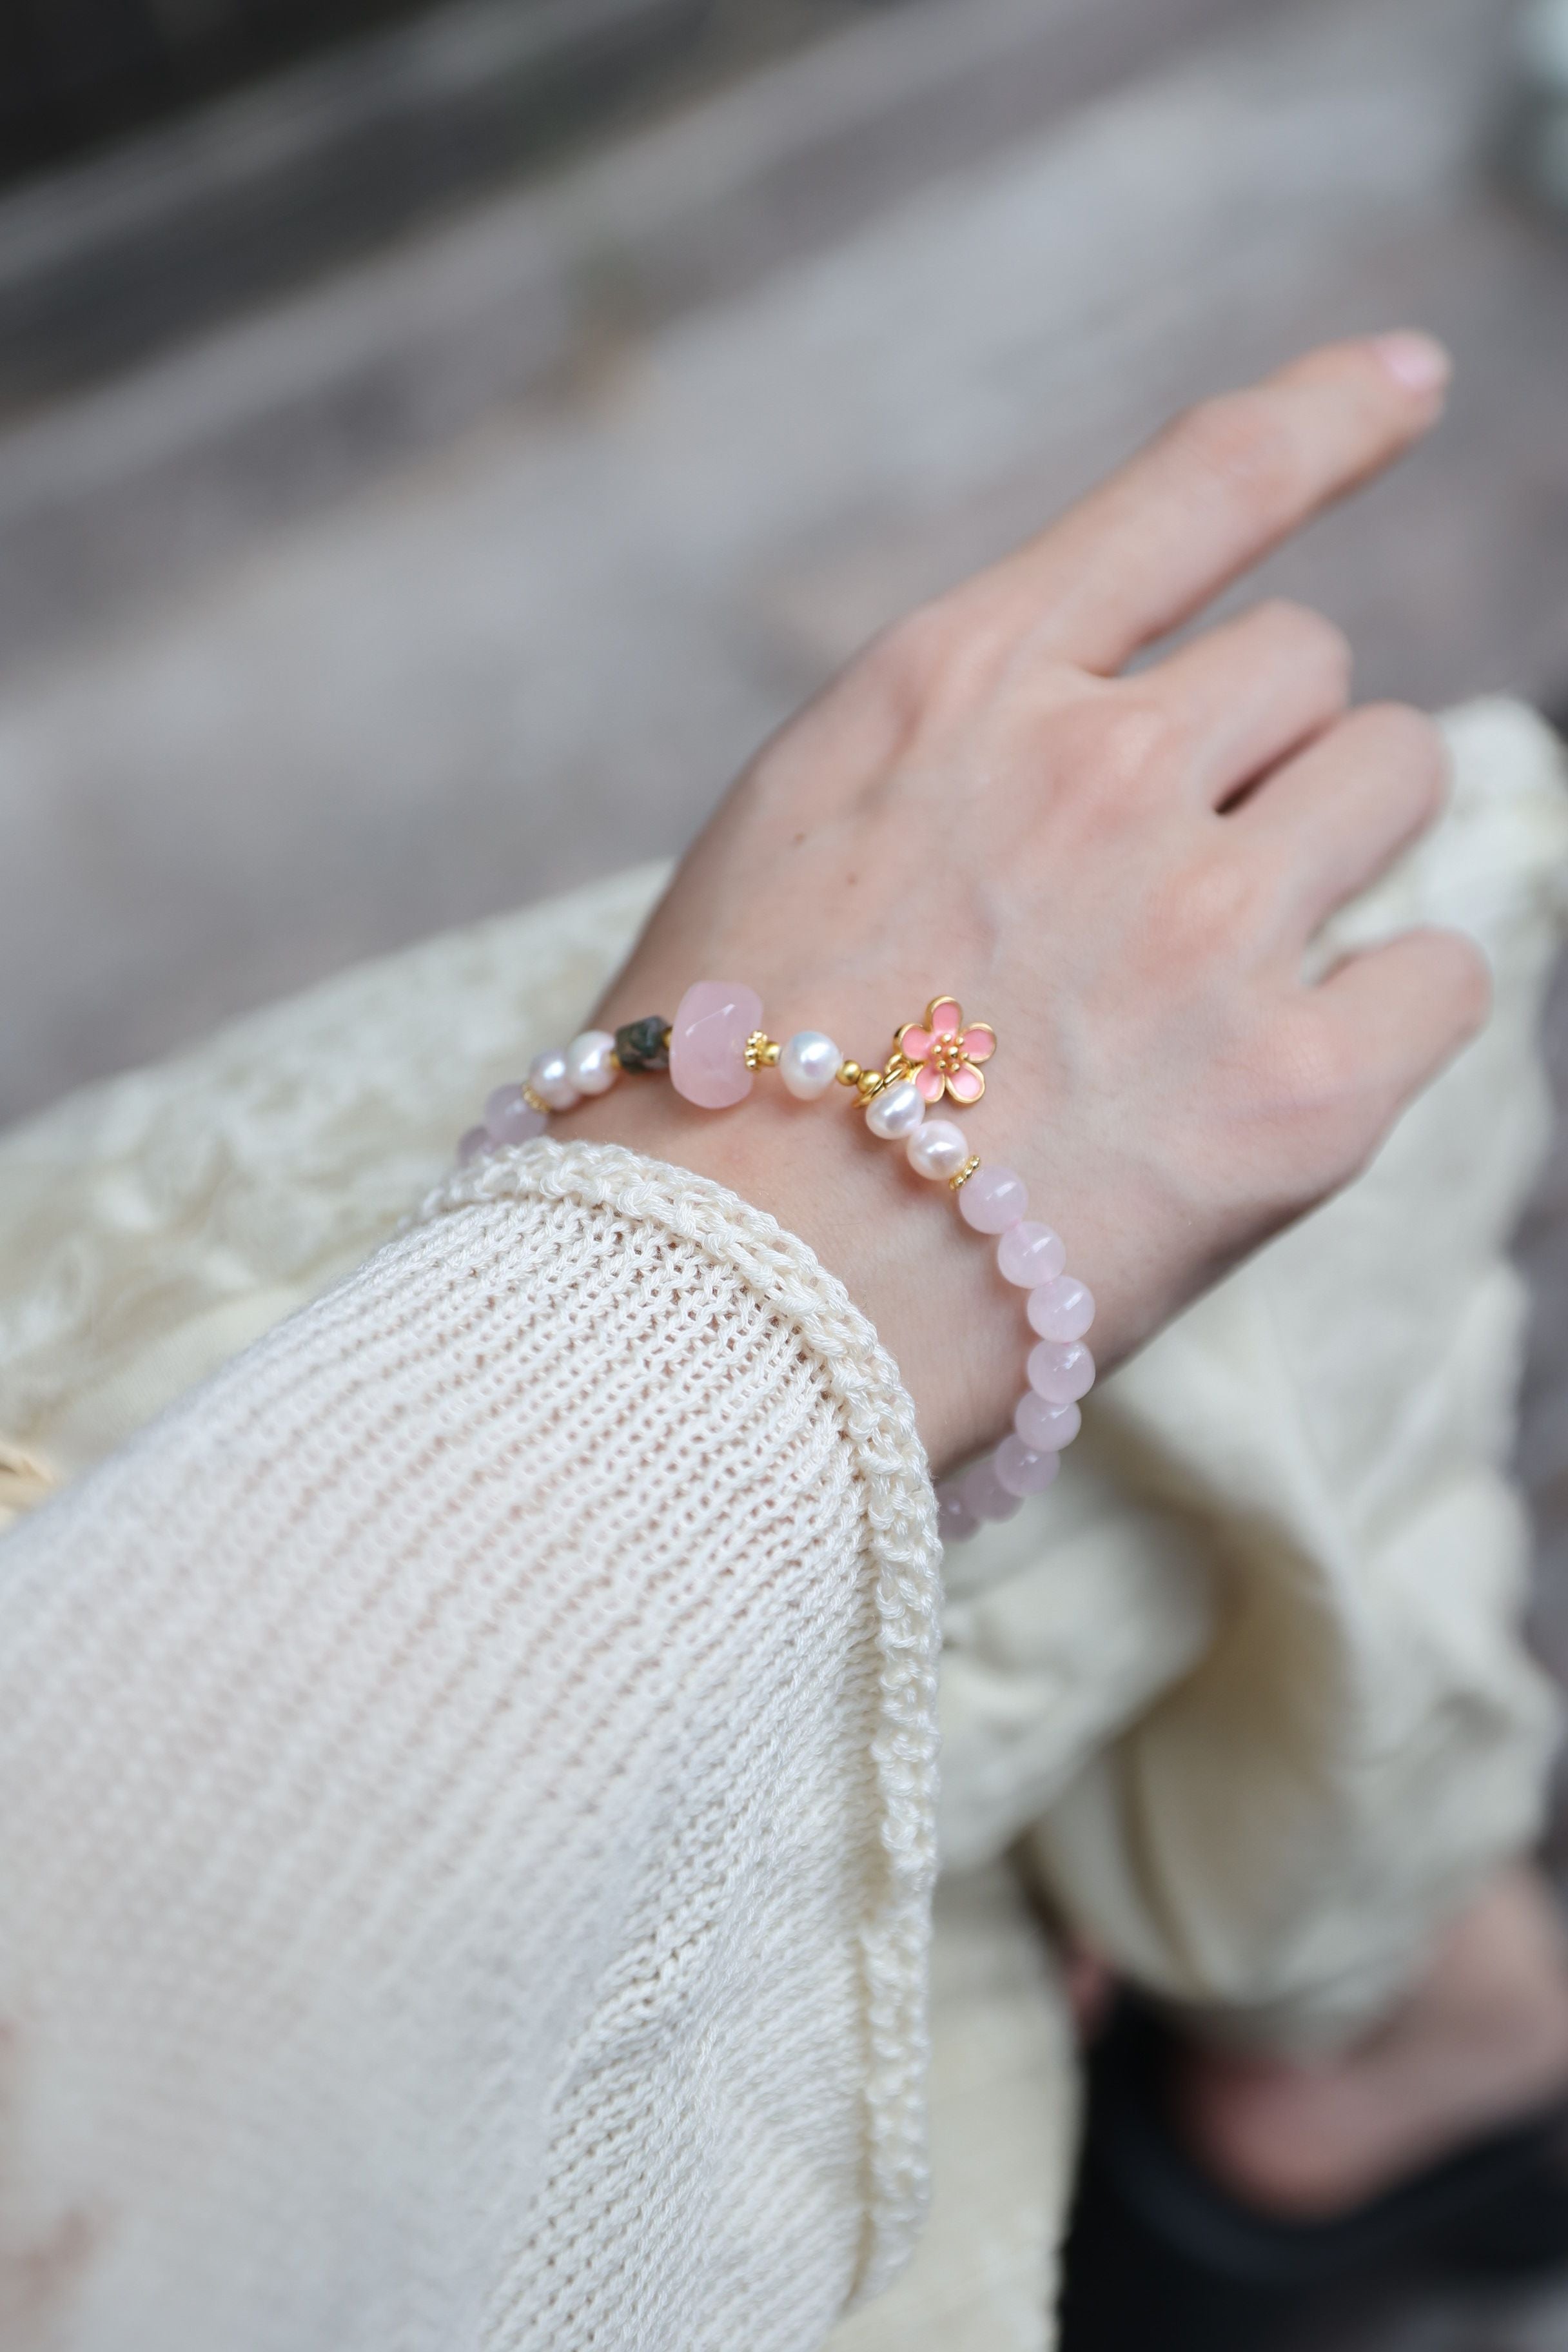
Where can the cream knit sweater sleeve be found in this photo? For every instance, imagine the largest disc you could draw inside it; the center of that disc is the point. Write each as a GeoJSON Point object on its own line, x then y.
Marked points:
{"type": "Point", "coordinates": [466, 1809]}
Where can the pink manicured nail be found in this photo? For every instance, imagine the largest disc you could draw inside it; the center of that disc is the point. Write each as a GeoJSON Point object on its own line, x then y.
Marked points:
{"type": "Point", "coordinates": [1419, 363]}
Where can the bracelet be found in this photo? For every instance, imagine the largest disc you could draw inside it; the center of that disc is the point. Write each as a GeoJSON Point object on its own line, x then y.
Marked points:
{"type": "Point", "coordinates": [712, 1050]}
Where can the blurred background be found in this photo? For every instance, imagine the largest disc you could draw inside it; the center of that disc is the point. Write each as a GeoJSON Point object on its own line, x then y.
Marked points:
{"type": "Point", "coordinates": [437, 442]}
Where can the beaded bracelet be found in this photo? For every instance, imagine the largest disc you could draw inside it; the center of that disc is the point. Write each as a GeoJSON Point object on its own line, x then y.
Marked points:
{"type": "Point", "coordinates": [712, 1050]}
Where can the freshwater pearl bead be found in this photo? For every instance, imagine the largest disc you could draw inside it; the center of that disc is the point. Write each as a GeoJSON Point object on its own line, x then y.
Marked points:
{"type": "Point", "coordinates": [896, 1112]}
{"type": "Point", "coordinates": [1062, 1309]}
{"type": "Point", "coordinates": [808, 1063]}
{"type": "Point", "coordinates": [708, 1043]}
{"type": "Point", "coordinates": [984, 1495]}
{"type": "Point", "coordinates": [1062, 1372]}
{"type": "Point", "coordinates": [1021, 1470]}
{"type": "Point", "coordinates": [1043, 1427]}
{"type": "Point", "coordinates": [1029, 1254]}
{"type": "Point", "coordinates": [591, 1063]}
{"type": "Point", "coordinates": [550, 1079]}
{"type": "Point", "coordinates": [476, 1139]}
{"type": "Point", "coordinates": [955, 1522]}
{"type": "Point", "coordinates": [994, 1199]}
{"type": "Point", "coordinates": [938, 1148]}
{"type": "Point", "coordinates": [510, 1119]}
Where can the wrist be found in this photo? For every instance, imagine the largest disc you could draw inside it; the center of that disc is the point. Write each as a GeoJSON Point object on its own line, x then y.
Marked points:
{"type": "Point", "coordinates": [930, 1286]}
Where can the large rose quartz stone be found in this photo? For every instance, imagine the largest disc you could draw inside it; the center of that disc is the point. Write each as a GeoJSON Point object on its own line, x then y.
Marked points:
{"type": "Point", "coordinates": [708, 1043]}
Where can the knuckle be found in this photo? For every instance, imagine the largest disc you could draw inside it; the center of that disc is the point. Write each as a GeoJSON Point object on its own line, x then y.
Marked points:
{"type": "Point", "coordinates": [1311, 1082]}
{"type": "Point", "coordinates": [1240, 442]}
{"type": "Point", "coordinates": [931, 659]}
{"type": "Point", "coordinates": [1313, 638]}
{"type": "Point", "coordinates": [911, 653]}
{"type": "Point", "coordinates": [1468, 980]}
{"type": "Point", "coordinates": [1316, 1069]}
{"type": "Point", "coordinates": [1212, 899]}
{"type": "Point", "coordinates": [1134, 743]}
{"type": "Point", "coordinates": [1112, 751]}
{"type": "Point", "coordinates": [1411, 745]}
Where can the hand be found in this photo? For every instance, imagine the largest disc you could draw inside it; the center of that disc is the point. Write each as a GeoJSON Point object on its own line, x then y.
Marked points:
{"type": "Point", "coordinates": [1121, 874]}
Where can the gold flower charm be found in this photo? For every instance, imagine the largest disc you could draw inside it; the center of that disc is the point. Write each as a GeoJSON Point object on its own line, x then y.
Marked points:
{"type": "Point", "coordinates": [942, 1054]}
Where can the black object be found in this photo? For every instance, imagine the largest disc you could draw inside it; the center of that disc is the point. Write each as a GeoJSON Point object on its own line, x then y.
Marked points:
{"type": "Point", "coordinates": [644, 1044]}
{"type": "Point", "coordinates": [283, 139]}
{"type": "Point", "coordinates": [1160, 2258]}
{"type": "Point", "coordinates": [76, 71]}
{"type": "Point", "coordinates": [1531, 137]}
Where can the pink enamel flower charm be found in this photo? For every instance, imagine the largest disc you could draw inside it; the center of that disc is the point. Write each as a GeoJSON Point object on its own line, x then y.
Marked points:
{"type": "Point", "coordinates": [944, 1054]}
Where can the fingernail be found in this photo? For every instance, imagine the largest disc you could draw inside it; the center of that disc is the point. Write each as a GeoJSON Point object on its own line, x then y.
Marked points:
{"type": "Point", "coordinates": [1419, 363]}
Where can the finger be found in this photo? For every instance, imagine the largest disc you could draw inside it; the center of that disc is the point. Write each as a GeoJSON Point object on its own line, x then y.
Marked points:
{"type": "Point", "coordinates": [1336, 816]}
{"type": "Point", "coordinates": [1397, 1014]}
{"type": "Point", "coordinates": [1211, 497]}
{"type": "Point", "coordinates": [1249, 693]}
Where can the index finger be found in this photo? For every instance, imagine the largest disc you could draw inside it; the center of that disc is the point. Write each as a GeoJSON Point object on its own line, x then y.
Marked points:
{"type": "Point", "coordinates": [1213, 493]}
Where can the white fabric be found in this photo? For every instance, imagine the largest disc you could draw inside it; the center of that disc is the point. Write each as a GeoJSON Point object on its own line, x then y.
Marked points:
{"type": "Point", "coordinates": [1004, 2127]}
{"type": "Point", "coordinates": [1248, 1679]}
{"type": "Point", "coordinates": [153, 1225]}
{"type": "Point", "coordinates": [466, 1809]}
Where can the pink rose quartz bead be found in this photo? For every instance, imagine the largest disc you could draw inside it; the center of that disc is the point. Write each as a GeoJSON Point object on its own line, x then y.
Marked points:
{"type": "Point", "coordinates": [1061, 1371]}
{"type": "Point", "coordinates": [708, 1043]}
{"type": "Point", "coordinates": [476, 1139]}
{"type": "Point", "coordinates": [1045, 1427]}
{"type": "Point", "coordinates": [1021, 1470]}
{"type": "Point", "coordinates": [993, 1200]}
{"type": "Point", "coordinates": [509, 1118]}
{"type": "Point", "coordinates": [955, 1522]}
{"type": "Point", "coordinates": [1062, 1309]}
{"type": "Point", "coordinates": [984, 1495]}
{"type": "Point", "coordinates": [1029, 1254]}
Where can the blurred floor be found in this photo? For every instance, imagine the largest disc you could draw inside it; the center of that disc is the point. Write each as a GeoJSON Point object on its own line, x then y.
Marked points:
{"type": "Point", "coordinates": [544, 646]}
{"type": "Point", "coordinates": [250, 732]}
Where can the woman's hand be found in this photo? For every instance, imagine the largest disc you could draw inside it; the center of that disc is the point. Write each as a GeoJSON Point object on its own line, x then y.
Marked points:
{"type": "Point", "coordinates": [1121, 875]}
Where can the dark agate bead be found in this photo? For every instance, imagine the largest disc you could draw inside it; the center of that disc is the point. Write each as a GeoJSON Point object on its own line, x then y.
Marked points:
{"type": "Point", "coordinates": [644, 1044]}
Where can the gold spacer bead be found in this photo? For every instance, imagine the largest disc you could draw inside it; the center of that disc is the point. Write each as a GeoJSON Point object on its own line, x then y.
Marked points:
{"type": "Point", "coordinates": [870, 1084]}
{"type": "Point", "coordinates": [956, 1183]}
{"type": "Point", "coordinates": [847, 1073]}
{"type": "Point", "coordinates": [534, 1102]}
{"type": "Point", "coordinates": [762, 1051]}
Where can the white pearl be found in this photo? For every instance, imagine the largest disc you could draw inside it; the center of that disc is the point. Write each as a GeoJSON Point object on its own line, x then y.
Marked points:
{"type": "Point", "coordinates": [896, 1112]}
{"type": "Point", "coordinates": [938, 1148]}
{"type": "Point", "coordinates": [808, 1063]}
{"type": "Point", "coordinates": [550, 1079]}
{"type": "Point", "coordinates": [591, 1063]}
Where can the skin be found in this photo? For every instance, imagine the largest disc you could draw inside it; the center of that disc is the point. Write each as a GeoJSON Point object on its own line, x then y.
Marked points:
{"type": "Point", "coordinates": [1121, 874]}
{"type": "Point", "coordinates": [1480, 2040]}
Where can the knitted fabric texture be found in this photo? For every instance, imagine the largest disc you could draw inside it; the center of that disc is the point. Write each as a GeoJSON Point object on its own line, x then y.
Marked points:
{"type": "Point", "coordinates": [466, 1809]}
